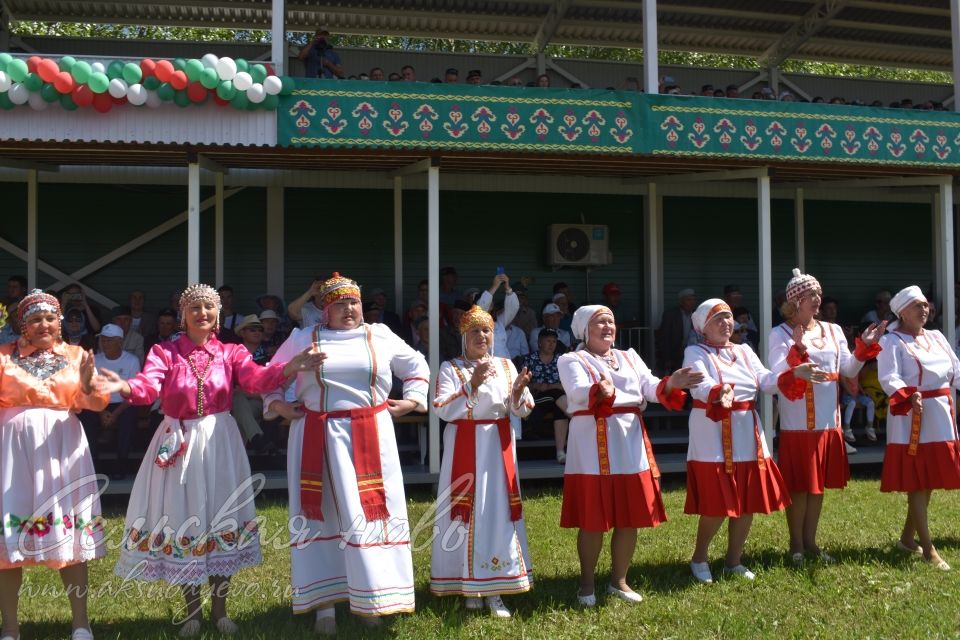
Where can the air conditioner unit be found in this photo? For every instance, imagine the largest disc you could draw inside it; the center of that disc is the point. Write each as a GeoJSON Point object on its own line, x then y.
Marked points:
{"type": "Point", "coordinates": [578, 245]}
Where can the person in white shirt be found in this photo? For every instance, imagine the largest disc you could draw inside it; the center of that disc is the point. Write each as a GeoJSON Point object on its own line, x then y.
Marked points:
{"type": "Point", "coordinates": [502, 318]}
{"type": "Point", "coordinates": [118, 413]}
{"type": "Point", "coordinates": [552, 315]}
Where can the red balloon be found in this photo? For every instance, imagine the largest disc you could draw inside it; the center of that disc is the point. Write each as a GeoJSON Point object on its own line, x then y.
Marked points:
{"type": "Point", "coordinates": [47, 69]}
{"type": "Point", "coordinates": [122, 100]}
{"type": "Point", "coordinates": [63, 82]}
{"type": "Point", "coordinates": [220, 101]}
{"type": "Point", "coordinates": [196, 92]}
{"type": "Point", "coordinates": [164, 70]}
{"type": "Point", "coordinates": [148, 67]}
{"type": "Point", "coordinates": [102, 102]}
{"type": "Point", "coordinates": [83, 96]}
{"type": "Point", "coordinates": [178, 80]}
{"type": "Point", "coordinates": [33, 62]}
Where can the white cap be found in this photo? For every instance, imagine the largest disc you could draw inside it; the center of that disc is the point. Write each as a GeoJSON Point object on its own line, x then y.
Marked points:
{"type": "Point", "coordinates": [111, 331]}
{"type": "Point", "coordinates": [550, 308]}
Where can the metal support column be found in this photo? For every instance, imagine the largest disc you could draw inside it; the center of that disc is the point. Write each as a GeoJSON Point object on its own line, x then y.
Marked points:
{"type": "Point", "coordinates": [278, 46]}
{"type": "Point", "coordinates": [433, 301]}
{"type": "Point", "coordinates": [653, 238]}
{"type": "Point", "coordinates": [799, 230]}
{"type": "Point", "coordinates": [955, 30]}
{"type": "Point", "coordinates": [651, 52]}
{"type": "Point", "coordinates": [193, 223]}
{"type": "Point", "coordinates": [398, 245]}
{"type": "Point", "coordinates": [218, 229]}
{"type": "Point", "coordinates": [275, 235]}
{"type": "Point", "coordinates": [946, 266]}
{"type": "Point", "coordinates": [32, 213]}
{"type": "Point", "coordinates": [765, 315]}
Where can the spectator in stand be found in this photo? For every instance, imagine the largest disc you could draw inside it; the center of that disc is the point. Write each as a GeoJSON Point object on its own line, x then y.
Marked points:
{"type": "Point", "coordinates": [733, 91]}
{"type": "Point", "coordinates": [423, 291]}
{"type": "Point", "coordinates": [379, 297]}
{"type": "Point", "coordinates": [768, 94]}
{"type": "Point", "coordinates": [515, 81]}
{"type": "Point", "coordinates": [304, 310]}
{"type": "Point", "coordinates": [853, 395]}
{"type": "Point", "coordinates": [741, 317]}
{"type": "Point", "coordinates": [74, 297]}
{"type": "Point", "coordinates": [448, 286]}
{"type": "Point", "coordinates": [143, 322]}
{"type": "Point", "coordinates": [561, 300]}
{"type": "Point", "coordinates": [451, 76]}
{"type": "Point", "coordinates": [611, 299]}
{"type": "Point", "coordinates": [543, 81]}
{"type": "Point", "coordinates": [319, 57]}
{"type": "Point", "coordinates": [451, 343]}
{"type": "Point", "coordinates": [166, 328]}
{"type": "Point", "coordinates": [372, 313]}
{"type": "Point", "coordinates": [376, 73]}
{"type": "Point", "coordinates": [756, 95]}
{"type": "Point", "coordinates": [786, 96]}
{"type": "Point", "coordinates": [665, 82]}
{"type": "Point", "coordinates": [734, 298]}
{"type": "Point", "coordinates": [881, 310]}
{"type": "Point", "coordinates": [247, 406]}
{"type": "Point", "coordinates": [676, 331]}
{"type": "Point", "coordinates": [551, 320]}
{"type": "Point", "coordinates": [818, 100]}
{"type": "Point", "coordinates": [548, 394]}
{"type": "Point", "coordinates": [906, 103]}
{"type": "Point", "coordinates": [719, 93]}
{"type": "Point", "coordinates": [273, 335]}
{"type": "Point", "coordinates": [417, 310]}
{"type": "Point", "coordinates": [526, 318]}
{"type": "Point", "coordinates": [475, 77]}
{"type": "Point", "coordinates": [502, 314]}
{"type": "Point", "coordinates": [75, 330]}
{"type": "Point", "coordinates": [132, 341]}
{"type": "Point", "coordinates": [229, 318]}
{"type": "Point", "coordinates": [518, 341]}
{"type": "Point", "coordinates": [16, 289]}
{"type": "Point", "coordinates": [10, 331]}
{"type": "Point", "coordinates": [394, 77]}
{"type": "Point", "coordinates": [408, 73]}
{"type": "Point", "coordinates": [706, 91]}
{"type": "Point", "coordinates": [837, 100]}
{"type": "Point", "coordinates": [422, 329]}
{"type": "Point", "coordinates": [118, 413]}
{"type": "Point", "coordinates": [564, 288]}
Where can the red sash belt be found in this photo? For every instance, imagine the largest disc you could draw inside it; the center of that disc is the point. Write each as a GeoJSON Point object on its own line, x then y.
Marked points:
{"type": "Point", "coordinates": [600, 413]}
{"type": "Point", "coordinates": [366, 461]}
{"type": "Point", "coordinates": [464, 473]}
{"type": "Point", "coordinates": [916, 418]}
{"type": "Point", "coordinates": [726, 432]}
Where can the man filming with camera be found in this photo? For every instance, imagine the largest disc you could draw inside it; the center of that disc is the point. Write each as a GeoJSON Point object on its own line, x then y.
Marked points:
{"type": "Point", "coordinates": [319, 57]}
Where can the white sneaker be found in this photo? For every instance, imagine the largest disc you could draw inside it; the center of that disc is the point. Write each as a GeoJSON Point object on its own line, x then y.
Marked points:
{"type": "Point", "coordinates": [227, 627]}
{"type": "Point", "coordinates": [190, 629]}
{"type": "Point", "coordinates": [497, 608]}
{"type": "Point", "coordinates": [741, 571]}
{"type": "Point", "coordinates": [701, 571]}
{"type": "Point", "coordinates": [81, 634]}
{"type": "Point", "coordinates": [848, 435]}
{"type": "Point", "coordinates": [626, 596]}
{"type": "Point", "coordinates": [561, 457]}
{"type": "Point", "coordinates": [850, 449]}
{"type": "Point", "coordinates": [871, 434]}
{"type": "Point", "coordinates": [587, 601]}
{"type": "Point", "coordinates": [473, 603]}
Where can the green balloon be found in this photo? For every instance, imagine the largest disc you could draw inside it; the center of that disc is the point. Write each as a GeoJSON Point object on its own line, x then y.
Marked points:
{"type": "Point", "coordinates": [5, 103]}
{"type": "Point", "coordinates": [165, 92]}
{"type": "Point", "coordinates": [181, 98]}
{"type": "Point", "coordinates": [132, 73]}
{"type": "Point", "coordinates": [66, 101]}
{"type": "Point", "coordinates": [17, 70]}
{"type": "Point", "coordinates": [67, 62]}
{"type": "Point", "coordinates": [242, 65]}
{"type": "Point", "coordinates": [49, 93]}
{"type": "Point", "coordinates": [152, 83]}
{"type": "Point", "coordinates": [226, 91]}
{"type": "Point", "coordinates": [179, 64]}
{"type": "Point", "coordinates": [115, 70]}
{"type": "Point", "coordinates": [194, 69]}
{"type": "Point", "coordinates": [258, 72]}
{"type": "Point", "coordinates": [5, 59]}
{"type": "Point", "coordinates": [270, 103]}
{"type": "Point", "coordinates": [287, 85]}
{"type": "Point", "coordinates": [81, 71]}
{"type": "Point", "coordinates": [239, 100]}
{"type": "Point", "coordinates": [209, 79]}
{"type": "Point", "coordinates": [98, 82]}
{"type": "Point", "coordinates": [33, 82]}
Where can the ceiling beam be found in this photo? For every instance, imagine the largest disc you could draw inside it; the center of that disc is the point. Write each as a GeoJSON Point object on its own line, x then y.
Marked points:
{"type": "Point", "coordinates": [815, 20]}
{"type": "Point", "coordinates": [27, 165]}
{"type": "Point", "coordinates": [420, 166]}
{"type": "Point", "coordinates": [549, 25]}
{"type": "Point", "coordinates": [896, 7]}
{"type": "Point", "coordinates": [871, 183]}
{"type": "Point", "coordinates": [704, 176]}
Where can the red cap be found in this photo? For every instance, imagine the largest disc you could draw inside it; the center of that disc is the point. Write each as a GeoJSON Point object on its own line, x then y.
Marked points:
{"type": "Point", "coordinates": [611, 287]}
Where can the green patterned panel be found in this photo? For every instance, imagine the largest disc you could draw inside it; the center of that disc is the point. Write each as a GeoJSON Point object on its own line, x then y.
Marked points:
{"type": "Point", "coordinates": [749, 129]}
{"type": "Point", "coordinates": [462, 117]}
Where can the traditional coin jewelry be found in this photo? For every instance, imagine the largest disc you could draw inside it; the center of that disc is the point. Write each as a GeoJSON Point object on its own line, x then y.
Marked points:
{"type": "Point", "coordinates": [200, 378]}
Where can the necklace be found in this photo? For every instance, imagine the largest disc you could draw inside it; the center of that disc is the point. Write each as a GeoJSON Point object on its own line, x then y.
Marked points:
{"type": "Point", "coordinates": [610, 358]}
{"type": "Point", "coordinates": [200, 377]}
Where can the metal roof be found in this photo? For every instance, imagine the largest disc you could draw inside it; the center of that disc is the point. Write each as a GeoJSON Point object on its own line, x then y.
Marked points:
{"type": "Point", "coordinates": [907, 33]}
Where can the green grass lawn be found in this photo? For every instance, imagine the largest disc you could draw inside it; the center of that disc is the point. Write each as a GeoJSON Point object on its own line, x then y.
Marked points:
{"type": "Point", "coordinates": [873, 591]}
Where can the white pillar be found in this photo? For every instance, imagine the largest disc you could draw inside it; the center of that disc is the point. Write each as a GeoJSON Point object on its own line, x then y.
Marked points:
{"type": "Point", "coordinates": [541, 63]}
{"type": "Point", "coordinates": [653, 238]}
{"type": "Point", "coordinates": [32, 214]}
{"type": "Point", "coordinates": [651, 51]}
{"type": "Point", "coordinates": [955, 31]}
{"type": "Point", "coordinates": [433, 302]}
{"type": "Point", "coordinates": [275, 257]}
{"type": "Point", "coordinates": [218, 230]}
{"type": "Point", "coordinates": [944, 232]}
{"type": "Point", "coordinates": [398, 245]}
{"type": "Point", "coordinates": [278, 33]}
{"type": "Point", "coordinates": [774, 75]}
{"type": "Point", "coordinates": [936, 246]}
{"type": "Point", "coordinates": [799, 230]}
{"type": "Point", "coordinates": [193, 223]}
{"type": "Point", "coordinates": [765, 315]}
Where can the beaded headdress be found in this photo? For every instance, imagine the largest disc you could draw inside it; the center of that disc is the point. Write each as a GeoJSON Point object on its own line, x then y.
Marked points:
{"type": "Point", "coordinates": [800, 284]}
{"type": "Point", "coordinates": [37, 301]}
{"type": "Point", "coordinates": [475, 317]}
{"type": "Point", "coordinates": [336, 287]}
{"type": "Point", "coordinates": [199, 293]}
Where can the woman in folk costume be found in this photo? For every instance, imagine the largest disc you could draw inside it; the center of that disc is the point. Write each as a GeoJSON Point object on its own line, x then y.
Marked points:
{"type": "Point", "coordinates": [812, 453]}
{"type": "Point", "coordinates": [919, 372]}
{"type": "Point", "coordinates": [730, 473]}
{"type": "Point", "coordinates": [611, 480]}
{"type": "Point", "coordinates": [480, 544]}
{"type": "Point", "coordinates": [349, 529]}
{"type": "Point", "coordinates": [191, 517]}
{"type": "Point", "coordinates": [49, 506]}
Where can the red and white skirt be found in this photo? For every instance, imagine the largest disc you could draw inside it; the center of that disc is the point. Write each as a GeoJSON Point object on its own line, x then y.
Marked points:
{"type": "Point", "coordinates": [813, 460]}
{"type": "Point", "coordinates": [711, 491]}
{"type": "Point", "coordinates": [936, 466]}
{"type": "Point", "coordinates": [604, 502]}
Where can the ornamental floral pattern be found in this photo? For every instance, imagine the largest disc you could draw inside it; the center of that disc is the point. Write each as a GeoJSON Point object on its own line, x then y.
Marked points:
{"type": "Point", "coordinates": [166, 544]}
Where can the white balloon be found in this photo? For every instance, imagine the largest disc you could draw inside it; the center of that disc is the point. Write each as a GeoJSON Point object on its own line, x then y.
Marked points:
{"type": "Point", "coordinates": [18, 94]}
{"type": "Point", "coordinates": [137, 95]}
{"type": "Point", "coordinates": [272, 85]}
{"type": "Point", "coordinates": [37, 102]}
{"type": "Point", "coordinates": [209, 60]}
{"type": "Point", "coordinates": [242, 81]}
{"type": "Point", "coordinates": [153, 100]}
{"type": "Point", "coordinates": [98, 66]}
{"type": "Point", "coordinates": [5, 82]}
{"type": "Point", "coordinates": [226, 68]}
{"type": "Point", "coordinates": [117, 88]}
{"type": "Point", "coordinates": [256, 94]}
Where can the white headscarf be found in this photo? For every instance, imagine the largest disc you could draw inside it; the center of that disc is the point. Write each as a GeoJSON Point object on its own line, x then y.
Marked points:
{"type": "Point", "coordinates": [582, 317]}
{"type": "Point", "coordinates": [904, 298]}
{"type": "Point", "coordinates": [707, 310]}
